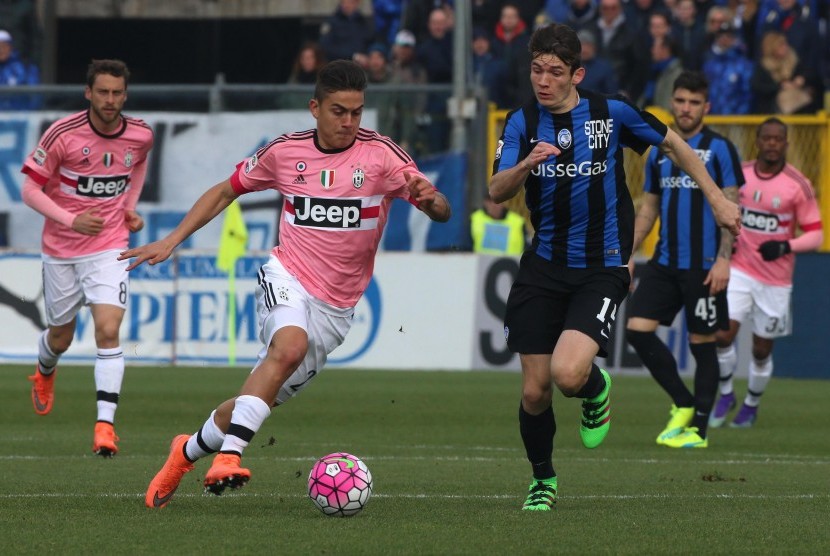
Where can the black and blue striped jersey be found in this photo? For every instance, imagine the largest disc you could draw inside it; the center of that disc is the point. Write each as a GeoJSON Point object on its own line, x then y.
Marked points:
{"type": "Point", "coordinates": [579, 202]}
{"type": "Point", "coordinates": [689, 234]}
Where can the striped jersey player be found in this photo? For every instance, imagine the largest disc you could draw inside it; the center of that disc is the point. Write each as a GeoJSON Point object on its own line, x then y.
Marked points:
{"type": "Point", "coordinates": [85, 176]}
{"type": "Point", "coordinates": [338, 182]}
{"type": "Point", "coordinates": [565, 150]}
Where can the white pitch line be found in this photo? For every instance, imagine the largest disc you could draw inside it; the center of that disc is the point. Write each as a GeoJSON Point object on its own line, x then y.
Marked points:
{"type": "Point", "coordinates": [766, 460]}
{"type": "Point", "coordinates": [723, 496]}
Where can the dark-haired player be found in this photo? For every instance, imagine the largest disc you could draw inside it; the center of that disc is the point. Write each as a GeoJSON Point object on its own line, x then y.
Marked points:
{"type": "Point", "coordinates": [338, 181]}
{"type": "Point", "coordinates": [776, 200]}
{"type": "Point", "coordinates": [565, 150]}
{"type": "Point", "coordinates": [690, 266]}
{"type": "Point", "coordinates": [85, 176]}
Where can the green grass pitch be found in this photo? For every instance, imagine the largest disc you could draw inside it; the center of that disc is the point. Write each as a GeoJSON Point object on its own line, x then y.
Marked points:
{"type": "Point", "coordinates": [449, 469]}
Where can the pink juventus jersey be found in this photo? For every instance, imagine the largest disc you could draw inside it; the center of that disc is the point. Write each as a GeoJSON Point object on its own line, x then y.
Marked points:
{"type": "Point", "coordinates": [336, 205]}
{"type": "Point", "coordinates": [772, 210]}
{"type": "Point", "coordinates": [79, 168]}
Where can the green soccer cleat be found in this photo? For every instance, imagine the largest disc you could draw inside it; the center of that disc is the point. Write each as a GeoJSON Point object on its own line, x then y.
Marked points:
{"type": "Point", "coordinates": [681, 417]}
{"type": "Point", "coordinates": [541, 495]}
{"type": "Point", "coordinates": [689, 438]}
{"type": "Point", "coordinates": [596, 416]}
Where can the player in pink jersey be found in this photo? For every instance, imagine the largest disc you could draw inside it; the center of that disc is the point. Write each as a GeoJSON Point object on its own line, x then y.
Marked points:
{"type": "Point", "coordinates": [85, 177]}
{"type": "Point", "coordinates": [338, 182]}
{"type": "Point", "coordinates": [776, 200]}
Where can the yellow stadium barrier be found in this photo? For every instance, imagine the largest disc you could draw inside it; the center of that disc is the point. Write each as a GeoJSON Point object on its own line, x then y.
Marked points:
{"type": "Point", "coordinates": [809, 151]}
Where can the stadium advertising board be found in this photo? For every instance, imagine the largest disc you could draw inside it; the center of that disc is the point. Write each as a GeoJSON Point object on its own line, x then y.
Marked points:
{"type": "Point", "coordinates": [420, 311]}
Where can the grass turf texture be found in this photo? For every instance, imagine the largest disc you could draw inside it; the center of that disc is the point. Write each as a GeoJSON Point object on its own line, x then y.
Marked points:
{"type": "Point", "coordinates": [449, 469]}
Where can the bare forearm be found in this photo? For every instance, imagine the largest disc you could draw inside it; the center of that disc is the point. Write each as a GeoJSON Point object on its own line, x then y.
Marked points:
{"type": "Point", "coordinates": [646, 217]}
{"type": "Point", "coordinates": [206, 208]}
{"type": "Point", "coordinates": [507, 183]}
{"type": "Point", "coordinates": [727, 240]}
{"type": "Point", "coordinates": [439, 210]}
{"type": "Point", "coordinates": [683, 156]}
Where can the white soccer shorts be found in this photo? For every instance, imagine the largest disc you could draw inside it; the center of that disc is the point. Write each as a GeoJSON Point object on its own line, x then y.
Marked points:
{"type": "Point", "coordinates": [768, 306]}
{"type": "Point", "coordinates": [68, 285]}
{"type": "Point", "coordinates": [282, 301]}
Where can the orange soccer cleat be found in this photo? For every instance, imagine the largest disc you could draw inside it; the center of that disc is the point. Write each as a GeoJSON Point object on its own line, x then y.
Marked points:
{"type": "Point", "coordinates": [226, 472]}
{"type": "Point", "coordinates": [167, 480]}
{"type": "Point", "coordinates": [43, 391]}
{"type": "Point", "coordinates": [105, 439]}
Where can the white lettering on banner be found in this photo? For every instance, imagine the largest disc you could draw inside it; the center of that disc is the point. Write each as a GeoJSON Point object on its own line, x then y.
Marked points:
{"type": "Point", "coordinates": [179, 315]}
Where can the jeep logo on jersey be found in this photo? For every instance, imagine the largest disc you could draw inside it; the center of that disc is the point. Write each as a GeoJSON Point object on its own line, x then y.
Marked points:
{"type": "Point", "coordinates": [326, 213]}
{"type": "Point", "coordinates": [98, 186]}
{"type": "Point", "coordinates": [760, 221]}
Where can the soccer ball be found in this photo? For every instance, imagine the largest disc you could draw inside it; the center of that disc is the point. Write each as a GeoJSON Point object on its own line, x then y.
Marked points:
{"type": "Point", "coordinates": [340, 484]}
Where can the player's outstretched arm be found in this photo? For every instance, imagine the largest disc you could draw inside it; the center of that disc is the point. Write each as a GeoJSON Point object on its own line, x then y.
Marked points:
{"type": "Point", "coordinates": [726, 212]}
{"type": "Point", "coordinates": [432, 202]}
{"type": "Point", "coordinates": [212, 202]}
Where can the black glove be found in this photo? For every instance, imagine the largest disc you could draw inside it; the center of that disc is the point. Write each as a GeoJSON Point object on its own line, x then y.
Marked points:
{"type": "Point", "coordinates": [771, 250]}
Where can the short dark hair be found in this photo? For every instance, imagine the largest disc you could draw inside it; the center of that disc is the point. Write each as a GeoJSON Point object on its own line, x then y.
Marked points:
{"type": "Point", "coordinates": [693, 81]}
{"type": "Point", "coordinates": [557, 40]}
{"type": "Point", "coordinates": [339, 75]}
{"type": "Point", "coordinates": [115, 68]}
{"type": "Point", "coordinates": [772, 120]}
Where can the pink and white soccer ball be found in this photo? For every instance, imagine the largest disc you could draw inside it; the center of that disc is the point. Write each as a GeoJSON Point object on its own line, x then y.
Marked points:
{"type": "Point", "coordinates": [340, 484]}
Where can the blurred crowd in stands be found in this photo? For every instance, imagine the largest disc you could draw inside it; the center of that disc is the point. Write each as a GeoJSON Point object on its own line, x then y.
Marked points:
{"type": "Point", "coordinates": [760, 56]}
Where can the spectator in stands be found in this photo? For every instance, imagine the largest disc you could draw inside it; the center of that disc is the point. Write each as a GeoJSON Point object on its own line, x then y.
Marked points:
{"type": "Point", "coordinates": [800, 25]}
{"type": "Point", "coordinates": [511, 35]}
{"type": "Point", "coordinates": [745, 18]}
{"type": "Point", "coordinates": [581, 14]}
{"type": "Point", "coordinates": [486, 13]}
{"type": "Point", "coordinates": [308, 62]}
{"type": "Point", "coordinates": [387, 19]}
{"type": "Point", "coordinates": [638, 12]}
{"type": "Point", "coordinates": [557, 11]}
{"type": "Point", "coordinates": [347, 33]}
{"type": "Point", "coordinates": [729, 72]}
{"type": "Point", "coordinates": [379, 72]}
{"type": "Point", "coordinates": [621, 43]}
{"type": "Point", "coordinates": [407, 108]}
{"type": "Point", "coordinates": [488, 70]}
{"type": "Point", "coordinates": [781, 82]}
{"type": "Point", "coordinates": [417, 13]}
{"type": "Point", "coordinates": [435, 53]}
{"type": "Point", "coordinates": [528, 9]}
{"type": "Point", "coordinates": [659, 25]}
{"type": "Point", "coordinates": [599, 72]}
{"type": "Point", "coordinates": [665, 69]}
{"type": "Point", "coordinates": [496, 230]}
{"type": "Point", "coordinates": [510, 46]}
{"type": "Point", "coordinates": [716, 17]}
{"type": "Point", "coordinates": [14, 72]}
{"type": "Point", "coordinates": [690, 35]}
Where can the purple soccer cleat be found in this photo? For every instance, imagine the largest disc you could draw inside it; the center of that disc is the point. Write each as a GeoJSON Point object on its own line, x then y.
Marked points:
{"type": "Point", "coordinates": [746, 417]}
{"type": "Point", "coordinates": [725, 404]}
